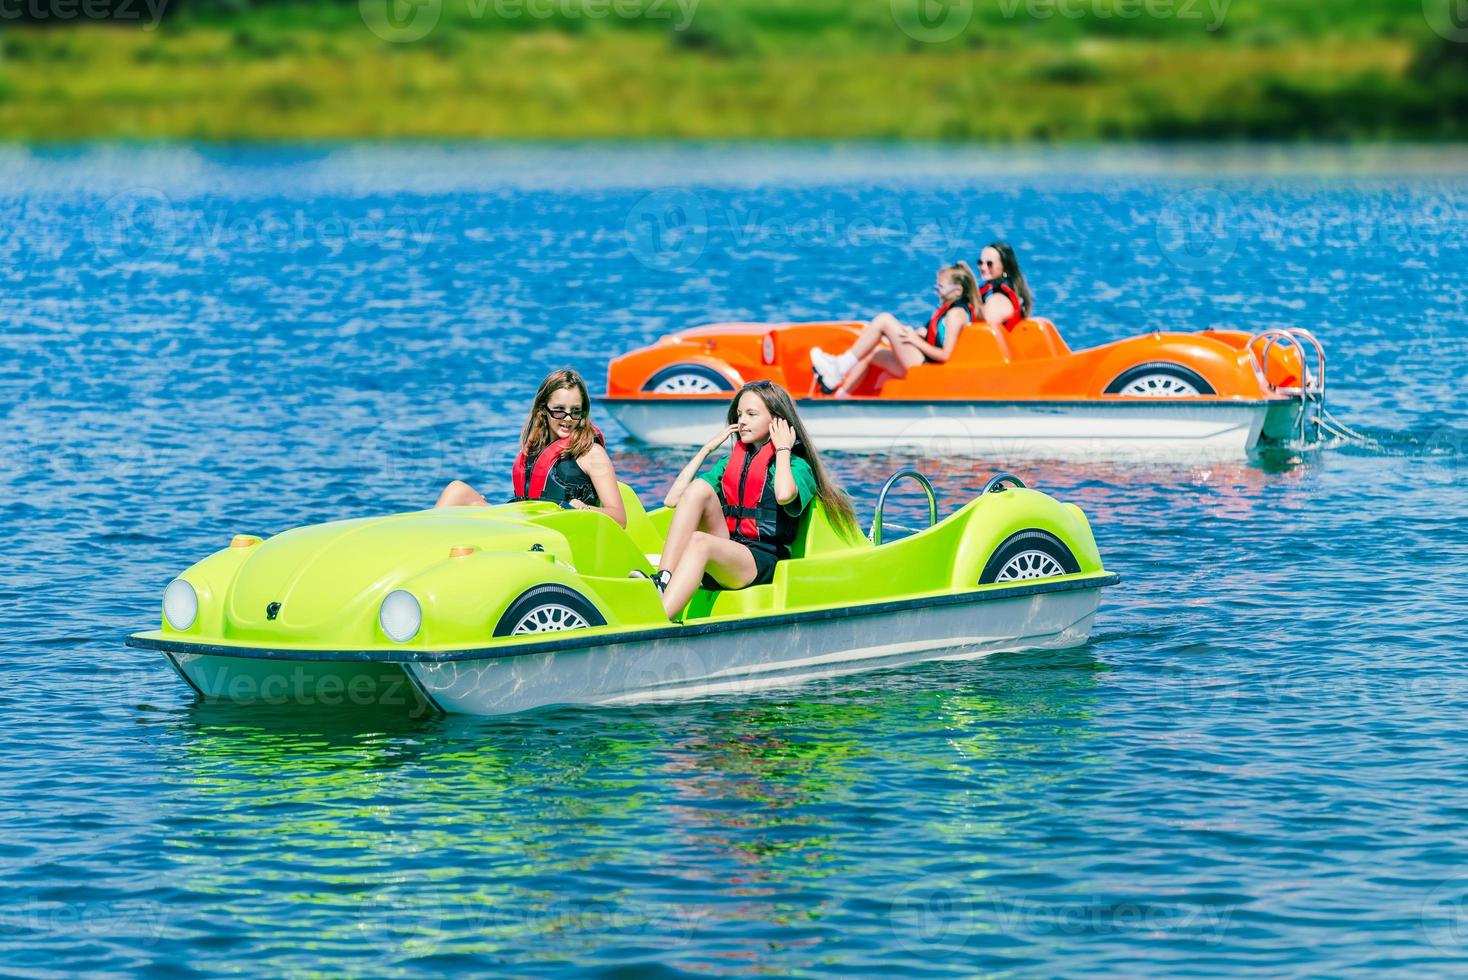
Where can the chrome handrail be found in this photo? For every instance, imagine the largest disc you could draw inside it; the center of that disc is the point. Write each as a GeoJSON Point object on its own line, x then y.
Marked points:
{"type": "Point", "coordinates": [996, 484]}
{"type": "Point", "coordinates": [1295, 335]}
{"type": "Point", "coordinates": [1310, 393]}
{"type": "Point", "coordinates": [876, 534]}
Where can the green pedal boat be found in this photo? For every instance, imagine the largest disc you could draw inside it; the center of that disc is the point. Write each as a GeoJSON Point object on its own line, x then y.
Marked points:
{"type": "Point", "coordinates": [495, 610]}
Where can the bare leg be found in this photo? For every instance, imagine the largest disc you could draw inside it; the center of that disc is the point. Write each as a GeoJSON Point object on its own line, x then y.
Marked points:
{"type": "Point", "coordinates": [895, 361]}
{"type": "Point", "coordinates": [729, 562]}
{"type": "Point", "coordinates": [699, 510]}
{"type": "Point", "coordinates": [872, 334]}
{"type": "Point", "coordinates": [460, 494]}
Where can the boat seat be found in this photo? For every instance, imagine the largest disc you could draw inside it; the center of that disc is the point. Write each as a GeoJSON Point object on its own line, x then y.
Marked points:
{"type": "Point", "coordinates": [818, 535]}
{"type": "Point", "coordinates": [1034, 340]}
{"type": "Point", "coordinates": [641, 526]}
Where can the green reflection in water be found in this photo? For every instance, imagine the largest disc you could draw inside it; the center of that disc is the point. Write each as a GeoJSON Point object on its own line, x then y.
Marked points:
{"type": "Point", "coordinates": [560, 834]}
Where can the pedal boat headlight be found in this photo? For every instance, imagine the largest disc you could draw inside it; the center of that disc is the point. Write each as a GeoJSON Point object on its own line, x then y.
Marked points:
{"type": "Point", "coordinates": [400, 616]}
{"type": "Point", "coordinates": [180, 604]}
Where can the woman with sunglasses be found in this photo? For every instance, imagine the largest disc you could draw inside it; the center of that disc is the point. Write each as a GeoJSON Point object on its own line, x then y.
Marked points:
{"type": "Point", "coordinates": [958, 306]}
{"type": "Point", "coordinates": [1004, 294]}
{"type": "Point", "coordinates": [563, 457]}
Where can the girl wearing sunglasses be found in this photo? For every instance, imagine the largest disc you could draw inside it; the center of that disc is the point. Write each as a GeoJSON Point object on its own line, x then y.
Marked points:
{"type": "Point", "coordinates": [563, 457]}
{"type": "Point", "coordinates": [1004, 293]}
{"type": "Point", "coordinates": [958, 306]}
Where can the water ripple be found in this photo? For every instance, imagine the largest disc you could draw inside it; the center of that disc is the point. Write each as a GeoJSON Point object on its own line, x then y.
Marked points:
{"type": "Point", "coordinates": [1254, 766]}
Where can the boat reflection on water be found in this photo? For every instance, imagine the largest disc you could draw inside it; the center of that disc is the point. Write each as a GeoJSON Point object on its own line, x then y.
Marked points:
{"type": "Point", "coordinates": [391, 838]}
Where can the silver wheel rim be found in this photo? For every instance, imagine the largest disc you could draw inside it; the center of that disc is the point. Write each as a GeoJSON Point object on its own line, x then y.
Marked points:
{"type": "Point", "coordinates": [686, 384]}
{"type": "Point", "coordinates": [1029, 564]}
{"type": "Point", "coordinates": [1160, 386]}
{"type": "Point", "coordinates": [549, 618]}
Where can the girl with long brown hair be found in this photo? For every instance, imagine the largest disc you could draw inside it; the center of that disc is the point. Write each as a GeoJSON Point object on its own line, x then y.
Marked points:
{"type": "Point", "coordinates": [731, 525]}
{"type": "Point", "coordinates": [958, 306]}
{"type": "Point", "coordinates": [1004, 293]}
{"type": "Point", "coordinates": [562, 458]}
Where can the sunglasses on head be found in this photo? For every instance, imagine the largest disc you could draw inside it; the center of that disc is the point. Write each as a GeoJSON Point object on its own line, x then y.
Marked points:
{"type": "Point", "coordinates": [566, 413]}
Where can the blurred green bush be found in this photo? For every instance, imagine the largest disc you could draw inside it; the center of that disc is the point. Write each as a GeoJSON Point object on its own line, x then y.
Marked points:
{"type": "Point", "coordinates": [1005, 70]}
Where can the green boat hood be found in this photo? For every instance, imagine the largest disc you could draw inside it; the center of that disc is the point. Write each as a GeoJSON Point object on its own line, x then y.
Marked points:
{"type": "Point", "coordinates": [329, 575]}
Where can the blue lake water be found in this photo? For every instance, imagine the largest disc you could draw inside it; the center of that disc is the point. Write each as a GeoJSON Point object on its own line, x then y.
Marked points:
{"type": "Point", "coordinates": [1257, 764]}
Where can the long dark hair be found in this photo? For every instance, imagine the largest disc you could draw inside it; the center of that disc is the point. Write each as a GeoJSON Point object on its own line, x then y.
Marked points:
{"type": "Point", "coordinates": [960, 273]}
{"type": "Point", "coordinates": [537, 433]}
{"type": "Point", "coordinates": [1016, 278]}
{"type": "Point", "coordinates": [777, 400]}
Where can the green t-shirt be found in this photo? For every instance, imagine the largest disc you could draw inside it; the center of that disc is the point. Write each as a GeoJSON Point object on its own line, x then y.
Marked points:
{"type": "Point", "coordinates": [805, 482]}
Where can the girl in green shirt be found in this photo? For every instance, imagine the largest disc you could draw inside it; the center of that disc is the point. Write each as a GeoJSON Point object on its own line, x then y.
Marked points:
{"type": "Point", "coordinates": [733, 524]}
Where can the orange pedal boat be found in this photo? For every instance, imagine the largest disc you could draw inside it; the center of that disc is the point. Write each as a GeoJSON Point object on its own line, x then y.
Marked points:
{"type": "Point", "coordinates": [1018, 390]}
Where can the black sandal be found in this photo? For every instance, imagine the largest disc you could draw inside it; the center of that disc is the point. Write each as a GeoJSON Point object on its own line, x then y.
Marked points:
{"type": "Point", "coordinates": [661, 579]}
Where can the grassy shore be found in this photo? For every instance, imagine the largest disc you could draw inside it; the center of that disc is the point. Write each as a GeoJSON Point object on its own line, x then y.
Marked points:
{"type": "Point", "coordinates": [744, 68]}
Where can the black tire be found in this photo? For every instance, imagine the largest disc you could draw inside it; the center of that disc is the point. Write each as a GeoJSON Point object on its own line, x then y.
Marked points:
{"type": "Point", "coordinates": [1022, 542]}
{"type": "Point", "coordinates": [548, 595]}
{"type": "Point", "coordinates": [700, 371]}
{"type": "Point", "coordinates": [1166, 370]}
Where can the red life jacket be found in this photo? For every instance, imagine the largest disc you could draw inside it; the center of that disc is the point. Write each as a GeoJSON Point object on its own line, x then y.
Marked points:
{"type": "Point", "coordinates": [541, 482]}
{"type": "Point", "coordinates": [747, 491]}
{"type": "Point", "coordinates": [1003, 288]}
{"type": "Point", "coordinates": [937, 320]}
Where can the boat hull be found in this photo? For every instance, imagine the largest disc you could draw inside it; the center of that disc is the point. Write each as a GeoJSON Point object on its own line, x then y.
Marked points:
{"type": "Point", "coordinates": [304, 683]}
{"type": "Point", "coordinates": [758, 658]}
{"type": "Point", "coordinates": [716, 658]}
{"type": "Point", "coordinates": [1037, 429]}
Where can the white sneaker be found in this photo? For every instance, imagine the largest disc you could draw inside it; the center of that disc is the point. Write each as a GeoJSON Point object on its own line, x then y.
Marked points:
{"type": "Point", "coordinates": [827, 371]}
{"type": "Point", "coordinates": [845, 363]}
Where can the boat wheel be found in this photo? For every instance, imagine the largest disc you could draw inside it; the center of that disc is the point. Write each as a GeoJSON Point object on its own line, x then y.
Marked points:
{"type": "Point", "coordinates": [548, 609]}
{"type": "Point", "coordinates": [549, 618]}
{"type": "Point", "coordinates": [688, 379]}
{"type": "Point", "coordinates": [1029, 564]}
{"type": "Point", "coordinates": [1159, 386]}
{"type": "Point", "coordinates": [1160, 381]}
{"type": "Point", "coordinates": [1029, 555]}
